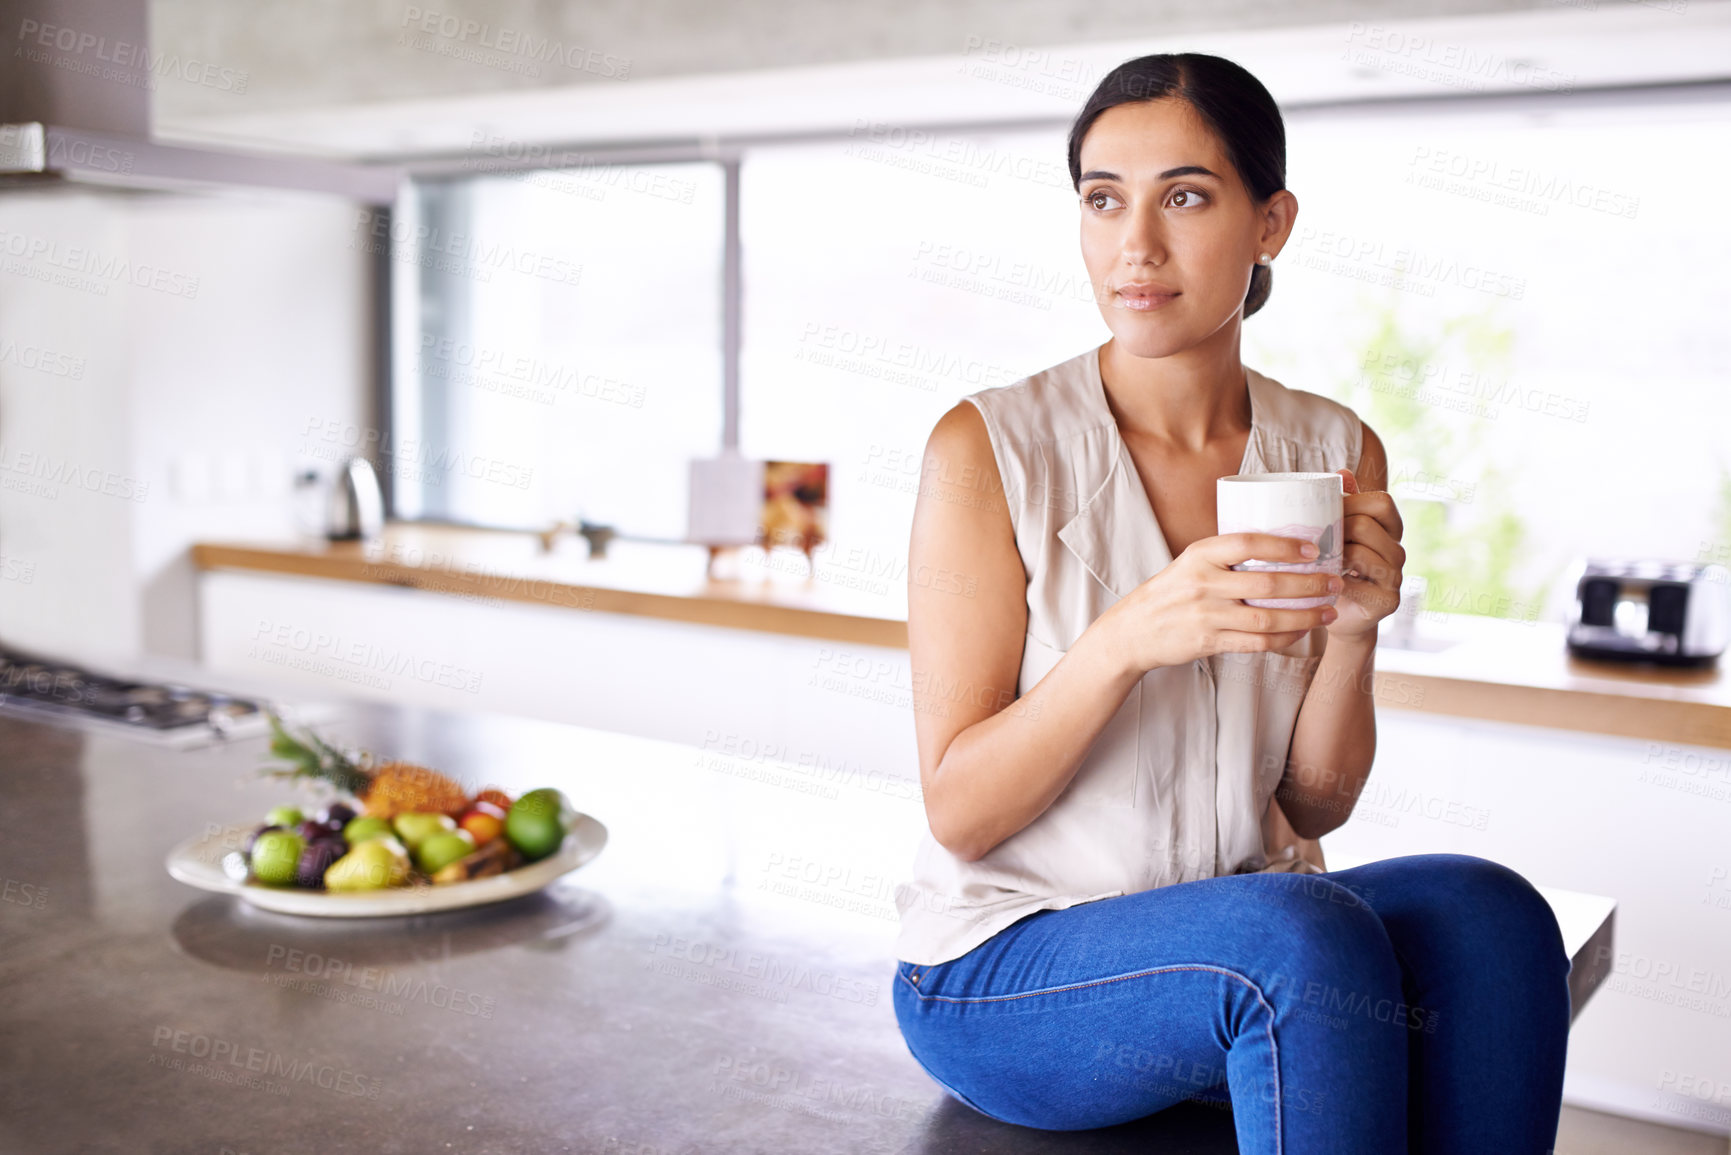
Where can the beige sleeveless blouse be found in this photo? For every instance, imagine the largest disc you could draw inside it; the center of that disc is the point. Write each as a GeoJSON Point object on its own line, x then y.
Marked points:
{"type": "Point", "coordinates": [1180, 783]}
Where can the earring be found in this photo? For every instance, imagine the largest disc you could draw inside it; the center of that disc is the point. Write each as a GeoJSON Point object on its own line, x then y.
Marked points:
{"type": "Point", "coordinates": [1263, 259]}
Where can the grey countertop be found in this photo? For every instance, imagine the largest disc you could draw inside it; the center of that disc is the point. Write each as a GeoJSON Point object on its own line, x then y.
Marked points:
{"type": "Point", "coordinates": [717, 980]}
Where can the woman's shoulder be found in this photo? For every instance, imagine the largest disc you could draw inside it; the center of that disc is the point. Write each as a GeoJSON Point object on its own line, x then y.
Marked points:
{"type": "Point", "coordinates": [1049, 405]}
{"type": "Point", "coordinates": [1301, 415]}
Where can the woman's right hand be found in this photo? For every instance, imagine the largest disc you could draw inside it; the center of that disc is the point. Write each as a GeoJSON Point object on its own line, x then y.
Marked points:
{"type": "Point", "coordinates": [1193, 607]}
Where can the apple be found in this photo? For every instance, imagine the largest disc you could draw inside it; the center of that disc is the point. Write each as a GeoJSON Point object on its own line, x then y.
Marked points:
{"type": "Point", "coordinates": [483, 825]}
{"type": "Point", "coordinates": [275, 856]}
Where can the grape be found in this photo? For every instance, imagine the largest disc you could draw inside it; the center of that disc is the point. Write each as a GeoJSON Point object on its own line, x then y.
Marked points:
{"type": "Point", "coordinates": [337, 815]}
{"type": "Point", "coordinates": [316, 859]}
{"type": "Point", "coordinates": [311, 828]}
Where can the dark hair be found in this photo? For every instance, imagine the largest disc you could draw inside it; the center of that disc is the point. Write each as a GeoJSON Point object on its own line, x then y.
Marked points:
{"type": "Point", "coordinates": [1231, 102]}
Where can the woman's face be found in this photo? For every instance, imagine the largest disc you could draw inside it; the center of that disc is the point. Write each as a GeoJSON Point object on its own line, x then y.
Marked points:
{"type": "Point", "coordinates": [1170, 234]}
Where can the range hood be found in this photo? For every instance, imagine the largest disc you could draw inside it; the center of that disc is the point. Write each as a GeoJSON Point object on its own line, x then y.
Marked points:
{"type": "Point", "coordinates": [75, 107]}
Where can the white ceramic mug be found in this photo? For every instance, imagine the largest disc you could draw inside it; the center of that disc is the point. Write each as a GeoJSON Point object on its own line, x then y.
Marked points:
{"type": "Point", "coordinates": [1303, 505]}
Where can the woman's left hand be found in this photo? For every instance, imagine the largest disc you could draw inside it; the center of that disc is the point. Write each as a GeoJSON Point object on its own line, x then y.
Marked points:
{"type": "Point", "coordinates": [1370, 562]}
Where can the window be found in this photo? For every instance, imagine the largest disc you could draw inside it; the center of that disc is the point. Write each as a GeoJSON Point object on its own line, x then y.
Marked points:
{"type": "Point", "coordinates": [568, 352]}
{"type": "Point", "coordinates": [1517, 300]}
{"type": "Point", "coordinates": [1526, 315]}
{"type": "Point", "coordinates": [887, 275]}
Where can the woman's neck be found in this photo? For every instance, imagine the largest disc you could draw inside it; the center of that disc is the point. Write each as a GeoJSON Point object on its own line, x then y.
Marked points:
{"type": "Point", "coordinates": [1185, 402]}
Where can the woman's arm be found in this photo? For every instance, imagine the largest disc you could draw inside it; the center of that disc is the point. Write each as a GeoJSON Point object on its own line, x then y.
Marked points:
{"type": "Point", "coordinates": [1334, 738]}
{"type": "Point", "coordinates": [990, 763]}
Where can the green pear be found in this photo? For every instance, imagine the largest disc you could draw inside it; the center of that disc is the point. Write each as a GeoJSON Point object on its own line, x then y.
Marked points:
{"type": "Point", "coordinates": [373, 864]}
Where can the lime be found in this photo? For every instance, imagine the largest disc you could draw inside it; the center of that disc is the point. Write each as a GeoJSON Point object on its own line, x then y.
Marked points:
{"type": "Point", "coordinates": [275, 857]}
{"type": "Point", "coordinates": [286, 816]}
{"type": "Point", "coordinates": [415, 827]}
{"type": "Point", "coordinates": [360, 829]}
{"type": "Point", "coordinates": [538, 821]}
{"type": "Point", "coordinates": [438, 851]}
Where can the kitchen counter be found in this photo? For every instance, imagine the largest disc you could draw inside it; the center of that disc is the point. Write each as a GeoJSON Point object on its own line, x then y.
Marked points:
{"type": "Point", "coordinates": [1462, 665]}
{"type": "Point", "coordinates": [860, 601]}
{"type": "Point", "coordinates": [717, 980]}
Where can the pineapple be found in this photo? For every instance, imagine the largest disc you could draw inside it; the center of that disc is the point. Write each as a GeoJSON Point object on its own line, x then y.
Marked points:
{"type": "Point", "coordinates": [384, 789]}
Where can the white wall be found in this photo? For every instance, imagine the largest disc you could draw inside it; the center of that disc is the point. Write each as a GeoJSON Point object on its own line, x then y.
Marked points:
{"type": "Point", "coordinates": [740, 691]}
{"type": "Point", "coordinates": [65, 550]}
{"type": "Point", "coordinates": [1641, 822]}
{"type": "Point", "coordinates": [190, 339]}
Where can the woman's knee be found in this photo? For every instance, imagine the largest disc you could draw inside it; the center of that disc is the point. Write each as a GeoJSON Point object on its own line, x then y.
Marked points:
{"type": "Point", "coordinates": [1498, 894]}
{"type": "Point", "coordinates": [1496, 904]}
{"type": "Point", "coordinates": [1323, 930]}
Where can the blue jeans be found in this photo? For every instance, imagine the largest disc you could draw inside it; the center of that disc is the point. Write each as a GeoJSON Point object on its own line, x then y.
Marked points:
{"type": "Point", "coordinates": [1414, 1004]}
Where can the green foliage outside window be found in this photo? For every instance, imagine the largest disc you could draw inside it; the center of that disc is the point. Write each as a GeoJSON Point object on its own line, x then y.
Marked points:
{"type": "Point", "coordinates": [1717, 548]}
{"type": "Point", "coordinates": [1462, 533]}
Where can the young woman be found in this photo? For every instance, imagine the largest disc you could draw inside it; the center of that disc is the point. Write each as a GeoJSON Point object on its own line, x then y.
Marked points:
{"type": "Point", "coordinates": [1120, 902]}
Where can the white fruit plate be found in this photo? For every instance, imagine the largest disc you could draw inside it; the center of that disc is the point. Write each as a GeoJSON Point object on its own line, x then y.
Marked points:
{"type": "Point", "coordinates": [198, 862]}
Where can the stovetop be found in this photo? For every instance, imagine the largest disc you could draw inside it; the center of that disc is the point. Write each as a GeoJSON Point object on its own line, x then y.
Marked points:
{"type": "Point", "coordinates": [41, 686]}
